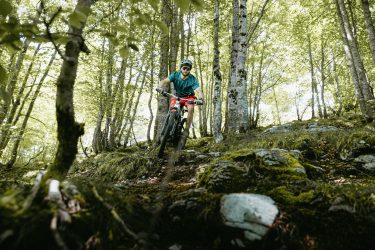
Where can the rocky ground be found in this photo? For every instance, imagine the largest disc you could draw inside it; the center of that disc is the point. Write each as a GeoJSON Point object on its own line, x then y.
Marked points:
{"type": "Point", "coordinates": [303, 185]}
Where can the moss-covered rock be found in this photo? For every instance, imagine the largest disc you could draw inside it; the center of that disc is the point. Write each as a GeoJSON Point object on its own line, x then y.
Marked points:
{"type": "Point", "coordinates": [224, 176]}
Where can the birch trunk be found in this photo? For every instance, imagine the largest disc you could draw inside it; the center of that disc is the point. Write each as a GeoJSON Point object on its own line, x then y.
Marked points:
{"type": "Point", "coordinates": [337, 81]}
{"type": "Point", "coordinates": [364, 84]}
{"type": "Point", "coordinates": [369, 26]}
{"type": "Point", "coordinates": [241, 69]}
{"type": "Point", "coordinates": [68, 130]}
{"type": "Point", "coordinates": [323, 76]}
{"type": "Point", "coordinates": [97, 137]}
{"type": "Point", "coordinates": [233, 91]}
{"type": "Point", "coordinates": [350, 60]}
{"type": "Point", "coordinates": [312, 74]}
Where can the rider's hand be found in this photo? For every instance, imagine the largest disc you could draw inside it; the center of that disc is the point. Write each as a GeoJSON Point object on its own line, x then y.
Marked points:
{"type": "Point", "coordinates": [161, 91]}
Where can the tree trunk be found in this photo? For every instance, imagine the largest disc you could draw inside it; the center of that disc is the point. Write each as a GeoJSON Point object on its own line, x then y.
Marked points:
{"type": "Point", "coordinates": [19, 138]}
{"type": "Point", "coordinates": [12, 81]}
{"type": "Point", "coordinates": [163, 102]}
{"type": "Point", "coordinates": [233, 91]}
{"type": "Point", "coordinates": [68, 130]}
{"type": "Point", "coordinates": [369, 26]}
{"type": "Point", "coordinates": [132, 118]}
{"type": "Point", "coordinates": [97, 137]}
{"type": "Point", "coordinates": [117, 103]}
{"type": "Point", "coordinates": [322, 71]}
{"type": "Point", "coordinates": [5, 129]}
{"type": "Point", "coordinates": [241, 69]}
{"type": "Point", "coordinates": [351, 62]}
{"type": "Point", "coordinates": [337, 81]}
{"type": "Point", "coordinates": [109, 96]}
{"type": "Point", "coordinates": [277, 106]}
{"type": "Point", "coordinates": [312, 73]}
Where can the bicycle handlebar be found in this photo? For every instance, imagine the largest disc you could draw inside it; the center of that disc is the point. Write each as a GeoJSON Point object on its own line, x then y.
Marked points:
{"type": "Point", "coordinates": [166, 94]}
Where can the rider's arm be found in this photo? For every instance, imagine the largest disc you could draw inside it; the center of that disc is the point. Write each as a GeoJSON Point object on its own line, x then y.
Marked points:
{"type": "Point", "coordinates": [199, 93]}
{"type": "Point", "coordinates": [163, 84]}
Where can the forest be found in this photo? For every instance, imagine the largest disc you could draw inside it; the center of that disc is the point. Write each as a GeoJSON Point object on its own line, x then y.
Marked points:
{"type": "Point", "coordinates": [281, 155]}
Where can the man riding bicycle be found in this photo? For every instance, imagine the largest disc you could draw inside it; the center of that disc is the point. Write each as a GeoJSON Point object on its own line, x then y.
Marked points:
{"type": "Point", "coordinates": [185, 85]}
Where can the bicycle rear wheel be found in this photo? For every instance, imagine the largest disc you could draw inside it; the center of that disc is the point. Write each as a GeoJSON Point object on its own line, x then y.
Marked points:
{"type": "Point", "coordinates": [166, 132]}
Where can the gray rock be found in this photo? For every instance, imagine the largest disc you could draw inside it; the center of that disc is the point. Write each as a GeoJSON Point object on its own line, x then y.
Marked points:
{"type": "Point", "coordinates": [365, 159]}
{"type": "Point", "coordinates": [253, 213]}
{"type": "Point", "coordinates": [314, 127]}
{"type": "Point", "coordinates": [214, 154]}
{"type": "Point", "coordinates": [370, 166]}
{"type": "Point", "coordinates": [201, 157]}
{"type": "Point", "coordinates": [286, 128]}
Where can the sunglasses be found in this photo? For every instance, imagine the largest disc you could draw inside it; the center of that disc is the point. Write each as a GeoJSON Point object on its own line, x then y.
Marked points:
{"type": "Point", "coordinates": [186, 68]}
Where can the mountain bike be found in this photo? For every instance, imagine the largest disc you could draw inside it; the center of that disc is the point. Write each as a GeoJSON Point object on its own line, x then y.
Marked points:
{"type": "Point", "coordinates": [174, 123]}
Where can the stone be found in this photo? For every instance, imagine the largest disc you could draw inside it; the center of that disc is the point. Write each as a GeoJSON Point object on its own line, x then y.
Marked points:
{"type": "Point", "coordinates": [254, 213]}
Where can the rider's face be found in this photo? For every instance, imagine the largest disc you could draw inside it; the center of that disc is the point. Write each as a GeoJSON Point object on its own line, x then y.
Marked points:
{"type": "Point", "coordinates": [185, 70]}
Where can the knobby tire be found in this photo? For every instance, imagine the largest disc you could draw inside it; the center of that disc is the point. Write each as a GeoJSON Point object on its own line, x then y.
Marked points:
{"type": "Point", "coordinates": [166, 133]}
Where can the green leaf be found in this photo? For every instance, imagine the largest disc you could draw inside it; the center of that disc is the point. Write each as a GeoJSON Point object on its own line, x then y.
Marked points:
{"type": "Point", "coordinates": [62, 40]}
{"type": "Point", "coordinates": [77, 18]}
{"type": "Point", "coordinates": [6, 8]}
{"type": "Point", "coordinates": [154, 4]}
{"type": "Point", "coordinates": [134, 47]}
{"type": "Point", "coordinates": [198, 4]}
{"type": "Point", "coordinates": [162, 26]}
{"type": "Point", "coordinates": [183, 5]}
{"type": "Point", "coordinates": [124, 52]}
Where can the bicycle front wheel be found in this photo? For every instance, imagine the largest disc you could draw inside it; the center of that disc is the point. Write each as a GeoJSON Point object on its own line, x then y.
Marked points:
{"type": "Point", "coordinates": [166, 133]}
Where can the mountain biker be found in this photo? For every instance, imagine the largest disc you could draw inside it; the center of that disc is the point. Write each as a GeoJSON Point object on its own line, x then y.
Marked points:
{"type": "Point", "coordinates": [186, 85]}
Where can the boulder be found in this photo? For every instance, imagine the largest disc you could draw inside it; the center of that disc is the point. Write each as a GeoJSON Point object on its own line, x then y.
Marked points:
{"type": "Point", "coordinates": [253, 213]}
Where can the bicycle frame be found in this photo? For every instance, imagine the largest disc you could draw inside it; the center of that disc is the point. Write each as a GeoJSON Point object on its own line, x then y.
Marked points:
{"type": "Point", "coordinates": [174, 123]}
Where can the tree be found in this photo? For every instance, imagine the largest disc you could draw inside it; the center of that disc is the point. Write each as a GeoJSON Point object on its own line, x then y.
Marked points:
{"type": "Point", "coordinates": [68, 130]}
{"type": "Point", "coordinates": [216, 69]}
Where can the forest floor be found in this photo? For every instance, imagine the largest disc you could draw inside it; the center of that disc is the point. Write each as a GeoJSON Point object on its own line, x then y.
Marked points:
{"type": "Point", "coordinates": [130, 199]}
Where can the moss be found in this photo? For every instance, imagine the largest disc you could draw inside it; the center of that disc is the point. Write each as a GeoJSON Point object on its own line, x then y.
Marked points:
{"type": "Point", "coordinates": [285, 196]}
{"type": "Point", "coordinates": [224, 177]}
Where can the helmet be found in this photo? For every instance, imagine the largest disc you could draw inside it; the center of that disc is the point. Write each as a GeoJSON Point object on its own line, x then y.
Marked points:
{"type": "Point", "coordinates": [186, 62]}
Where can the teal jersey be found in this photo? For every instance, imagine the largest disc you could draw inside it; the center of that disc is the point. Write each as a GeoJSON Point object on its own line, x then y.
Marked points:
{"type": "Point", "coordinates": [184, 87]}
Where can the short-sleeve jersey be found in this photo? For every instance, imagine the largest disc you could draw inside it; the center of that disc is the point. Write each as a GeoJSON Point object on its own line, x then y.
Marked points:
{"type": "Point", "coordinates": [184, 87]}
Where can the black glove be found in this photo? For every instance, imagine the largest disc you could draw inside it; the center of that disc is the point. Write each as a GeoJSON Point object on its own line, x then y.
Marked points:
{"type": "Point", "coordinates": [161, 91]}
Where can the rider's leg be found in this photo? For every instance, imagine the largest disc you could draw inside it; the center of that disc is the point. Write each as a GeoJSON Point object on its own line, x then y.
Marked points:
{"type": "Point", "coordinates": [185, 133]}
{"type": "Point", "coordinates": [190, 116]}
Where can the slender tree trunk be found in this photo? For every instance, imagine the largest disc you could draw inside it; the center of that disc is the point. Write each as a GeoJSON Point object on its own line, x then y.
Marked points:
{"type": "Point", "coordinates": [163, 102]}
{"type": "Point", "coordinates": [369, 26]}
{"type": "Point", "coordinates": [241, 69]}
{"type": "Point", "coordinates": [5, 129]}
{"type": "Point", "coordinates": [312, 73]}
{"type": "Point", "coordinates": [13, 78]}
{"type": "Point", "coordinates": [357, 76]}
{"type": "Point", "coordinates": [338, 87]}
{"type": "Point", "coordinates": [202, 110]}
{"type": "Point", "coordinates": [233, 91]}
{"type": "Point", "coordinates": [117, 103]}
{"type": "Point", "coordinates": [182, 34]}
{"type": "Point", "coordinates": [68, 130]}
{"type": "Point", "coordinates": [322, 71]}
{"type": "Point", "coordinates": [132, 118]}
{"type": "Point", "coordinates": [97, 137]}
{"type": "Point", "coordinates": [129, 109]}
{"type": "Point", "coordinates": [277, 106]}
{"type": "Point", "coordinates": [19, 138]}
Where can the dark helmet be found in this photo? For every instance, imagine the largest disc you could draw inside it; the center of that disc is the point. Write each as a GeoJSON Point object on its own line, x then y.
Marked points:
{"type": "Point", "coordinates": [186, 62]}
